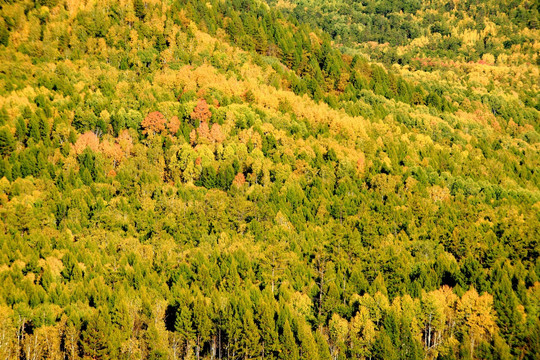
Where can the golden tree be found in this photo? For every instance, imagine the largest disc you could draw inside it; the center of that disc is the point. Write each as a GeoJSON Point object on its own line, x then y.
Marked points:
{"type": "Point", "coordinates": [475, 312]}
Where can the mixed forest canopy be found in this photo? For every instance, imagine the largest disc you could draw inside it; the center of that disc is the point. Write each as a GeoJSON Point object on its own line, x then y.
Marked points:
{"type": "Point", "coordinates": [269, 179]}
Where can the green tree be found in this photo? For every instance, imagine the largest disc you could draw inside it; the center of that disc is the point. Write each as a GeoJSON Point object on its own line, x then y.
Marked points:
{"type": "Point", "coordinates": [33, 129]}
{"type": "Point", "coordinates": [289, 349]}
{"type": "Point", "coordinates": [184, 326]}
{"type": "Point", "coordinates": [20, 129]}
{"type": "Point", "coordinates": [4, 116]}
{"type": "Point", "coordinates": [269, 335]}
{"type": "Point", "coordinates": [7, 143]}
{"type": "Point", "coordinates": [250, 336]}
{"type": "Point", "coordinates": [94, 338]}
{"type": "Point", "coordinates": [139, 7]}
{"type": "Point", "coordinates": [201, 323]}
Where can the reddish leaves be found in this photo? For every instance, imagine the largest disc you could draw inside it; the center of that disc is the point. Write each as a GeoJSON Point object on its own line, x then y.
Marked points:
{"type": "Point", "coordinates": [201, 111]}
{"type": "Point", "coordinates": [88, 139]}
{"type": "Point", "coordinates": [154, 123]}
{"type": "Point", "coordinates": [173, 125]}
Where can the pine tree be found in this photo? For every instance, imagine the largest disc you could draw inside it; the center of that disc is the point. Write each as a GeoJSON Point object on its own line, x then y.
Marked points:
{"type": "Point", "coordinates": [250, 336]}
{"type": "Point", "coordinates": [94, 339]}
{"type": "Point", "coordinates": [289, 349]}
{"type": "Point", "coordinates": [269, 335]}
{"type": "Point", "coordinates": [33, 129]}
{"type": "Point", "coordinates": [4, 117]}
{"type": "Point", "coordinates": [139, 8]}
{"type": "Point", "coordinates": [509, 318]}
{"type": "Point", "coordinates": [184, 326]}
{"type": "Point", "coordinates": [7, 143]}
{"type": "Point", "coordinates": [201, 323]}
{"type": "Point", "coordinates": [20, 129]}
{"type": "Point", "coordinates": [308, 347]}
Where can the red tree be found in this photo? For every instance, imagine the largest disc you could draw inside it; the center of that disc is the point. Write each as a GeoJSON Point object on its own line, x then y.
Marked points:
{"type": "Point", "coordinates": [153, 123]}
{"type": "Point", "coordinates": [201, 111]}
{"type": "Point", "coordinates": [174, 125]}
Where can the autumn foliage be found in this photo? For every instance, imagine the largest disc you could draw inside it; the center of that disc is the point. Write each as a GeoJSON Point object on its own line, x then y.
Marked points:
{"type": "Point", "coordinates": [239, 180]}
{"type": "Point", "coordinates": [254, 192]}
{"type": "Point", "coordinates": [201, 112]}
{"type": "Point", "coordinates": [173, 125]}
{"type": "Point", "coordinates": [86, 140]}
{"type": "Point", "coordinates": [154, 123]}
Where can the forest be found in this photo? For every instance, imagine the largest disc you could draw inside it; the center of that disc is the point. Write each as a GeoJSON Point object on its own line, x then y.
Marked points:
{"type": "Point", "coordinates": [249, 179]}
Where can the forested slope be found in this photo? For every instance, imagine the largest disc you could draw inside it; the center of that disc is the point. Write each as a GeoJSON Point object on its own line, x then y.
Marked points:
{"type": "Point", "coordinates": [241, 180]}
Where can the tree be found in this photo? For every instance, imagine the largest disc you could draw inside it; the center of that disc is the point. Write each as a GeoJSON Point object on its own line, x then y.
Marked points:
{"type": "Point", "coordinates": [153, 123]}
{"type": "Point", "coordinates": [216, 134]}
{"type": "Point", "coordinates": [94, 338]}
{"type": "Point", "coordinates": [184, 326]}
{"type": "Point", "coordinates": [33, 129]}
{"type": "Point", "coordinates": [139, 8]}
{"type": "Point", "coordinates": [269, 335]}
{"type": "Point", "coordinates": [509, 317]}
{"type": "Point", "coordinates": [201, 323]}
{"type": "Point", "coordinates": [308, 347]}
{"type": "Point", "coordinates": [250, 336]}
{"type": "Point", "coordinates": [173, 125]}
{"type": "Point", "coordinates": [239, 180]}
{"type": "Point", "coordinates": [362, 333]}
{"type": "Point", "coordinates": [338, 328]}
{"type": "Point", "coordinates": [201, 112]}
{"type": "Point", "coordinates": [20, 129]}
{"type": "Point", "coordinates": [289, 349]}
{"type": "Point", "coordinates": [44, 128]}
{"type": "Point", "coordinates": [72, 270]}
{"type": "Point", "coordinates": [4, 116]}
{"type": "Point", "coordinates": [86, 140]}
{"type": "Point", "coordinates": [383, 349]}
{"type": "Point", "coordinates": [7, 143]}
{"type": "Point", "coordinates": [476, 315]}
{"type": "Point", "coordinates": [4, 33]}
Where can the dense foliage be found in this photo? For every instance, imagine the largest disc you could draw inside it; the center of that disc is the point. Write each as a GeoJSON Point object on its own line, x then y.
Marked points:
{"type": "Point", "coordinates": [241, 179]}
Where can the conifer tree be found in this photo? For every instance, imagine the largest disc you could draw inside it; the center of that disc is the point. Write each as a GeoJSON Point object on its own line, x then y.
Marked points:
{"type": "Point", "coordinates": [289, 349]}
{"type": "Point", "coordinates": [201, 324]}
{"type": "Point", "coordinates": [7, 143]}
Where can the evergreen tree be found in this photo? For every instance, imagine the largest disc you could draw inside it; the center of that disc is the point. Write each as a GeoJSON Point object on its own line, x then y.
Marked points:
{"type": "Point", "coordinates": [33, 129]}
{"type": "Point", "coordinates": [4, 117]}
{"type": "Point", "coordinates": [94, 339]}
{"type": "Point", "coordinates": [201, 324]}
{"type": "Point", "coordinates": [7, 143]}
{"type": "Point", "coordinates": [289, 349]}
{"type": "Point", "coordinates": [20, 129]}
{"type": "Point", "coordinates": [139, 7]}
{"type": "Point", "coordinates": [184, 326]}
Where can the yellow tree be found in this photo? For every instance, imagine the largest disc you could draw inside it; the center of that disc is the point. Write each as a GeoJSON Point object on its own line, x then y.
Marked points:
{"type": "Point", "coordinates": [339, 331]}
{"type": "Point", "coordinates": [7, 334]}
{"type": "Point", "coordinates": [362, 333]}
{"type": "Point", "coordinates": [434, 319]}
{"type": "Point", "coordinates": [476, 316]}
{"type": "Point", "coordinates": [125, 141]}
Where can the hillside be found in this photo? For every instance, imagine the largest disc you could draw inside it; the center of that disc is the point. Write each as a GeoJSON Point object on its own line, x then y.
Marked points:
{"type": "Point", "coordinates": [277, 180]}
